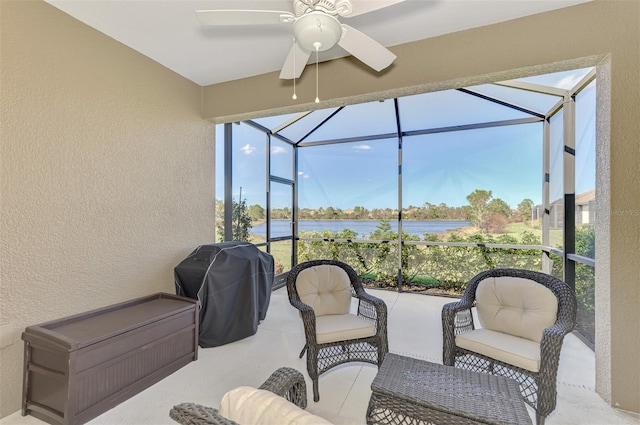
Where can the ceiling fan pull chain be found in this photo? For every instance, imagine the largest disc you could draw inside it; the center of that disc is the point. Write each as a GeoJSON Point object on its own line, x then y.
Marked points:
{"type": "Point", "coordinates": [317, 46]}
{"type": "Point", "coordinates": [294, 97]}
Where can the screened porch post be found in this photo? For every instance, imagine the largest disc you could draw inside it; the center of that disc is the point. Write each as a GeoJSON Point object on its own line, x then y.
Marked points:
{"type": "Point", "coordinates": [396, 108]}
{"type": "Point", "coordinates": [294, 240]}
{"type": "Point", "coordinates": [228, 188]}
{"type": "Point", "coordinates": [569, 181]}
{"type": "Point", "coordinates": [546, 161]}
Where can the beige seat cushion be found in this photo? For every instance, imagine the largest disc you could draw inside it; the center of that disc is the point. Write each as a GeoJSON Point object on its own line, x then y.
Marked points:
{"type": "Point", "coordinates": [251, 406]}
{"type": "Point", "coordinates": [341, 327]}
{"type": "Point", "coordinates": [509, 349]}
{"type": "Point", "coordinates": [516, 306]}
{"type": "Point", "coordinates": [326, 288]}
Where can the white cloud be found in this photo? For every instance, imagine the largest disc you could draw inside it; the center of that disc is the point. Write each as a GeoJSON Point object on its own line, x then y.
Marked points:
{"type": "Point", "coordinates": [303, 174]}
{"type": "Point", "coordinates": [248, 149]}
{"type": "Point", "coordinates": [277, 150]}
{"type": "Point", "coordinates": [362, 148]}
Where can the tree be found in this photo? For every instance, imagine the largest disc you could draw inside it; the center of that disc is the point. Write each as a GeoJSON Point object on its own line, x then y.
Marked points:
{"type": "Point", "coordinates": [498, 206]}
{"type": "Point", "coordinates": [360, 212]}
{"type": "Point", "coordinates": [525, 209]}
{"type": "Point", "coordinates": [383, 231]}
{"type": "Point", "coordinates": [331, 213]}
{"type": "Point", "coordinates": [220, 219]}
{"type": "Point", "coordinates": [240, 220]}
{"type": "Point", "coordinates": [478, 202]}
{"type": "Point", "coordinates": [435, 212]}
{"type": "Point", "coordinates": [256, 212]}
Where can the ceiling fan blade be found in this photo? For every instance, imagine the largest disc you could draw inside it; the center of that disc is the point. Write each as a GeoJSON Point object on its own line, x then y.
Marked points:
{"type": "Point", "coordinates": [298, 58]}
{"type": "Point", "coordinates": [359, 7]}
{"type": "Point", "coordinates": [244, 17]}
{"type": "Point", "coordinates": [365, 48]}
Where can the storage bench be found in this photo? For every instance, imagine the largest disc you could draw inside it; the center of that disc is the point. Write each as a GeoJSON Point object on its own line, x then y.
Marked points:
{"type": "Point", "coordinates": [80, 366]}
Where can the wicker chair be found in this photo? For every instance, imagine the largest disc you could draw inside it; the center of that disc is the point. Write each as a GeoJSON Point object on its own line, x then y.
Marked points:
{"type": "Point", "coordinates": [535, 368]}
{"type": "Point", "coordinates": [322, 290]}
{"type": "Point", "coordinates": [285, 382]}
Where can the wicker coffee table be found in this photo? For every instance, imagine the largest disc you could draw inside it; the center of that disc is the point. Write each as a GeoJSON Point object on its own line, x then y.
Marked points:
{"type": "Point", "coordinates": [411, 391]}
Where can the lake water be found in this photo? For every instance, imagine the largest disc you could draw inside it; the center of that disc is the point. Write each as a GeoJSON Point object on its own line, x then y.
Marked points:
{"type": "Point", "coordinates": [362, 227]}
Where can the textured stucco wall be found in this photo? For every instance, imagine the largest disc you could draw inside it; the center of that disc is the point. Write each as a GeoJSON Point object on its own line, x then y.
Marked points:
{"type": "Point", "coordinates": [106, 179]}
{"type": "Point", "coordinates": [604, 33]}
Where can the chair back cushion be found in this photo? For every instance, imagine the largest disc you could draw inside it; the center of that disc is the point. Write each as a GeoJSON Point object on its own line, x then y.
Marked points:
{"type": "Point", "coordinates": [326, 288]}
{"type": "Point", "coordinates": [516, 306]}
{"type": "Point", "coordinates": [251, 406]}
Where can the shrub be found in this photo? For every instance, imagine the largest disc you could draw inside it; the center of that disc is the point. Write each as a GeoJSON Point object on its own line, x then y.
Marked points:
{"type": "Point", "coordinates": [495, 223]}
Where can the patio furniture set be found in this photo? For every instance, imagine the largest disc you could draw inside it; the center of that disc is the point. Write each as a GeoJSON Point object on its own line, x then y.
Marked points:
{"type": "Point", "coordinates": [488, 375]}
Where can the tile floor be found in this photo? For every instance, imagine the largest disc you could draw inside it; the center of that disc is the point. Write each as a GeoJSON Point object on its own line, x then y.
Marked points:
{"type": "Point", "coordinates": [414, 330]}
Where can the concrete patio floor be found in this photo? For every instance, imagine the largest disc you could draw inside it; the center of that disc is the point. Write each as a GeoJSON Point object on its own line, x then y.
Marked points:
{"type": "Point", "coordinates": [414, 330]}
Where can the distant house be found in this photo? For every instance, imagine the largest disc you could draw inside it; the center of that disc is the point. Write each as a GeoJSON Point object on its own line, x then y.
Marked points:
{"type": "Point", "coordinates": [584, 214]}
{"type": "Point", "coordinates": [586, 207]}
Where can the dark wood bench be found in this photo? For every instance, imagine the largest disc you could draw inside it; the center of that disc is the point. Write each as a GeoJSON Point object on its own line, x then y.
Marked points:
{"type": "Point", "coordinates": [78, 367]}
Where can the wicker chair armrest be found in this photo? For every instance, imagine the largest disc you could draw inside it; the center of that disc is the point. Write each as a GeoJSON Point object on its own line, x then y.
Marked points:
{"type": "Point", "coordinates": [456, 319]}
{"type": "Point", "coordinates": [378, 305]}
{"type": "Point", "coordinates": [561, 328]}
{"type": "Point", "coordinates": [302, 307]}
{"type": "Point", "coordinates": [308, 319]}
{"type": "Point", "coordinates": [464, 303]}
{"type": "Point", "coordinates": [551, 342]}
{"type": "Point", "coordinates": [196, 414]}
{"type": "Point", "coordinates": [366, 297]}
{"type": "Point", "coordinates": [374, 310]}
{"type": "Point", "coordinates": [285, 382]}
{"type": "Point", "coordinates": [453, 312]}
{"type": "Point", "coordinates": [289, 384]}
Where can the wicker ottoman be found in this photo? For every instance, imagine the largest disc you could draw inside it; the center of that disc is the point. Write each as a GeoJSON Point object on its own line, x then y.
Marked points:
{"type": "Point", "coordinates": [411, 391]}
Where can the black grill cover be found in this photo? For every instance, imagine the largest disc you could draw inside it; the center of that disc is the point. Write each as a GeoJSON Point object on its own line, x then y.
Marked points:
{"type": "Point", "coordinates": [233, 283]}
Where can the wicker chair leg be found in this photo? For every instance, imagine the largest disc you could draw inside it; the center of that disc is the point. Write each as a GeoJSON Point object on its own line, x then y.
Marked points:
{"type": "Point", "coordinates": [316, 393]}
{"type": "Point", "coordinates": [304, 349]}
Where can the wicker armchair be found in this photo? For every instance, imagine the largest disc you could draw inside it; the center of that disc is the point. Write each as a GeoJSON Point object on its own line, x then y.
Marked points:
{"type": "Point", "coordinates": [322, 290]}
{"type": "Point", "coordinates": [535, 367]}
{"type": "Point", "coordinates": [285, 382]}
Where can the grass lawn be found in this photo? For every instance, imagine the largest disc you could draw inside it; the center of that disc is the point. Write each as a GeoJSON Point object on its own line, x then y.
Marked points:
{"type": "Point", "coordinates": [281, 251]}
{"type": "Point", "coordinates": [515, 230]}
{"type": "Point", "coordinates": [555, 235]}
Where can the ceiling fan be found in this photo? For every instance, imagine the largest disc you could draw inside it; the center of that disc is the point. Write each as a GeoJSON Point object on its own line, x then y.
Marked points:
{"type": "Point", "coordinates": [316, 28]}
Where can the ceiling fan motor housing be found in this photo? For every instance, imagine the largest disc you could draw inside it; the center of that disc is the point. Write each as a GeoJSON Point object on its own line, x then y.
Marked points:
{"type": "Point", "coordinates": [317, 27]}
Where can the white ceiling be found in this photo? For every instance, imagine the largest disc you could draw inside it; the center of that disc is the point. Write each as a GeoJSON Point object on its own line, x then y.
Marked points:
{"type": "Point", "coordinates": [168, 31]}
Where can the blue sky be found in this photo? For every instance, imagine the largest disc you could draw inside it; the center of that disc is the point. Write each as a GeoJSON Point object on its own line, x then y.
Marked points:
{"type": "Point", "coordinates": [437, 168]}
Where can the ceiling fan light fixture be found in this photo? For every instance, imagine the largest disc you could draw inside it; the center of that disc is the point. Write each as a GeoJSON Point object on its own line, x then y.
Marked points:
{"type": "Point", "coordinates": [317, 31]}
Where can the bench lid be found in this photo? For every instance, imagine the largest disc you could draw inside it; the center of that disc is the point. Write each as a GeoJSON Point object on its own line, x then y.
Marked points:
{"type": "Point", "coordinates": [80, 330]}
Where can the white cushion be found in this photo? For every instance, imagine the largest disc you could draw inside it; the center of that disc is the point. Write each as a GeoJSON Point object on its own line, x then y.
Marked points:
{"type": "Point", "coordinates": [509, 349]}
{"type": "Point", "coordinates": [326, 288]}
{"type": "Point", "coordinates": [342, 327]}
{"type": "Point", "coordinates": [516, 306]}
{"type": "Point", "coordinates": [251, 406]}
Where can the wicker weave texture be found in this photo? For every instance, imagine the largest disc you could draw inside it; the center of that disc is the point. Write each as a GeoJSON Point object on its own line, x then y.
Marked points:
{"type": "Point", "coordinates": [285, 382]}
{"type": "Point", "coordinates": [322, 357]}
{"type": "Point", "coordinates": [411, 391]}
{"type": "Point", "coordinates": [537, 388]}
